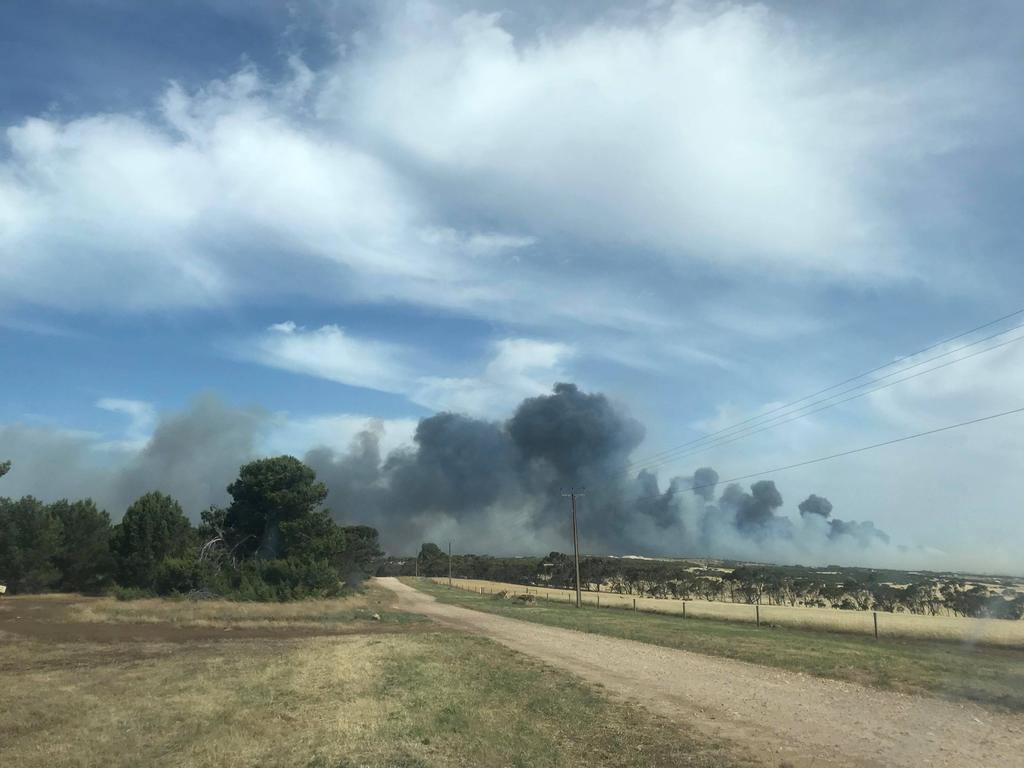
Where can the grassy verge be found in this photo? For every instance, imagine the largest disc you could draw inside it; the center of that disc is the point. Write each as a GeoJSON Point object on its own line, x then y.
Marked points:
{"type": "Point", "coordinates": [993, 676]}
{"type": "Point", "coordinates": [414, 700]}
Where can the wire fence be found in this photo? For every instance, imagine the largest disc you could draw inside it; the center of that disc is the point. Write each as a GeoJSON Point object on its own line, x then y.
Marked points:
{"type": "Point", "coordinates": [878, 624]}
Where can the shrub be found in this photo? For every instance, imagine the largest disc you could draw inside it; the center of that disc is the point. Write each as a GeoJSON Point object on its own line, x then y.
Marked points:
{"type": "Point", "coordinates": [176, 575]}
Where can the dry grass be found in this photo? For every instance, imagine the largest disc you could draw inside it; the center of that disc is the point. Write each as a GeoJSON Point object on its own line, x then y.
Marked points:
{"type": "Point", "coordinates": [224, 613]}
{"type": "Point", "coordinates": [409, 699]}
{"type": "Point", "coordinates": [990, 675]}
{"type": "Point", "coordinates": [997, 632]}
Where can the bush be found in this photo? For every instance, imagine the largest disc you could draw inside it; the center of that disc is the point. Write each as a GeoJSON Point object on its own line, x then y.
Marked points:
{"type": "Point", "coordinates": [287, 579]}
{"type": "Point", "coordinates": [130, 593]}
{"type": "Point", "coordinates": [176, 575]}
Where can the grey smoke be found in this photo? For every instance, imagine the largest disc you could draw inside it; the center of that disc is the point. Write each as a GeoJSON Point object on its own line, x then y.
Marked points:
{"type": "Point", "coordinates": [815, 505]}
{"type": "Point", "coordinates": [705, 480]}
{"type": "Point", "coordinates": [495, 486]}
{"type": "Point", "coordinates": [192, 454]}
{"type": "Point", "coordinates": [757, 508]}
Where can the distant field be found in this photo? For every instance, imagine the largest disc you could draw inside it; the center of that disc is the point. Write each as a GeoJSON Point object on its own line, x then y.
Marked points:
{"type": "Point", "coordinates": [995, 632]}
{"type": "Point", "coordinates": [991, 675]}
{"type": "Point", "coordinates": [314, 684]}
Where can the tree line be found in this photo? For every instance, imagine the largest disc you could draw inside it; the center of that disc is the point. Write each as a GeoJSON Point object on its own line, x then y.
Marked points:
{"type": "Point", "coordinates": [274, 541]}
{"type": "Point", "coordinates": [839, 588]}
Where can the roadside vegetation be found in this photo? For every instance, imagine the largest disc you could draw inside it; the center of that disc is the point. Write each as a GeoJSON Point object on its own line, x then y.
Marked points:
{"type": "Point", "coordinates": [411, 697]}
{"type": "Point", "coordinates": [275, 541]}
{"type": "Point", "coordinates": [988, 675]}
{"type": "Point", "coordinates": [833, 586]}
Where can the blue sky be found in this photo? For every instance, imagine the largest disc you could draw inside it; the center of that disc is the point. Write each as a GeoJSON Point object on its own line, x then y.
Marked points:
{"type": "Point", "coordinates": [332, 213]}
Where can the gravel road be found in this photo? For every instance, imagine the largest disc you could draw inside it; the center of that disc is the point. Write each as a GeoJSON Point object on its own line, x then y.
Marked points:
{"type": "Point", "coordinates": [786, 718]}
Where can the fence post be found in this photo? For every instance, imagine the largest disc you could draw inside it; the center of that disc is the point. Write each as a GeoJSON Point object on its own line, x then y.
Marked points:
{"type": "Point", "coordinates": [634, 605]}
{"type": "Point", "coordinates": [598, 599]}
{"type": "Point", "coordinates": [875, 614]}
{"type": "Point", "coordinates": [684, 609]}
{"type": "Point", "coordinates": [757, 614]}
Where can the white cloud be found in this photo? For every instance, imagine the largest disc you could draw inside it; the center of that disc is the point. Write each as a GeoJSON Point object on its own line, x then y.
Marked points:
{"type": "Point", "coordinates": [686, 137]}
{"type": "Point", "coordinates": [296, 435]}
{"type": "Point", "coordinates": [329, 352]}
{"type": "Point", "coordinates": [142, 418]}
{"type": "Point", "coordinates": [704, 135]}
{"type": "Point", "coordinates": [231, 194]}
{"type": "Point", "coordinates": [520, 368]}
{"type": "Point", "coordinates": [517, 368]}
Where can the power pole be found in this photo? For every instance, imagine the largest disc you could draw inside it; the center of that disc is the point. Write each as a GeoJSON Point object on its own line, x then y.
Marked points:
{"type": "Point", "coordinates": [449, 563]}
{"type": "Point", "coordinates": [572, 494]}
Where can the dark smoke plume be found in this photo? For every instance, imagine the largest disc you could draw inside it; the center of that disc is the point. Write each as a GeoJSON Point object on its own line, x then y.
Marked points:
{"type": "Point", "coordinates": [494, 486]}
{"type": "Point", "coordinates": [815, 505]}
{"type": "Point", "coordinates": [484, 480]}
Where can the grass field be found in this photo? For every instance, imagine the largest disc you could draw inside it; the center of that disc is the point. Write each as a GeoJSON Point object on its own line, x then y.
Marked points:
{"type": "Point", "coordinates": [998, 632]}
{"type": "Point", "coordinates": [408, 696]}
{"type": "Point", "coordinates": [986, 674]}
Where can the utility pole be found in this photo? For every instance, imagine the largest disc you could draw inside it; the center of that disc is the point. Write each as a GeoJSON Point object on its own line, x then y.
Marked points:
{"type": "Point", "coordinates": [449, 563]}
{"type": "Point", "coordinates": [572, 494]}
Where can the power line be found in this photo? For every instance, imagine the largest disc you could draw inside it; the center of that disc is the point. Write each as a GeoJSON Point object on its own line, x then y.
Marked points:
{"type": "Point", "coordinates": [790, 404]}
{"type": "Point", "coordinates": [771, 424]}
{"type": "Point", "coordinates": [809, 462]}
{"type": "Point", "coordinates": [849, 452]}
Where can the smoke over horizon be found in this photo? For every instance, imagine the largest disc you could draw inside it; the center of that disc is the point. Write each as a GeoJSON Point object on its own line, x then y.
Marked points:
{"type": "Point", "coordinates": [496, 486]}
{"type": "Point", "coordinates": [493, 486]}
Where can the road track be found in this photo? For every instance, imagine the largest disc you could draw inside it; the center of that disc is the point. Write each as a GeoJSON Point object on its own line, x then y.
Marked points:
{"type": "Point", "coordinates": [781, 717]}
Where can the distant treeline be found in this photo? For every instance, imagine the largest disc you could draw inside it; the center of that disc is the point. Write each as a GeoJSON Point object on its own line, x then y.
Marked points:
{"type": "Point", "coordinates": [273, 542]}
{"type": "Point", "coordinates": [831, 587]}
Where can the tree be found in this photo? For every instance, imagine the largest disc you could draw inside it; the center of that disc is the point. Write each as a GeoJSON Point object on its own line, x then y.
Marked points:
{"type": "Point", "coordinates": [362, 551]}
{"type": "Point", "coordinates": [84, 558]}
{"type": "Point", "coordinates": [432, 559]}
{"type": "Point", "coordinates": [267, 493]}
{"type": "Point", "coordinates": [314, 536]}
{"type": "Point", "coordinates": [153, 529]}
{"type": "Point", "coordinates": [5, 467]}
{"type": "Point", "coordinates": [29, 545]}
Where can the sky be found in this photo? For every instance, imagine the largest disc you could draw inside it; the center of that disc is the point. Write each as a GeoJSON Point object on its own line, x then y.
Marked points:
{"type": "Point", "coordinates": [268, 227]}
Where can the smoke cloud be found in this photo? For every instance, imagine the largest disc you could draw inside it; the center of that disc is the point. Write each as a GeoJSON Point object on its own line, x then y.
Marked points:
{"type": "Point", "coordinates": [192, 455]}
{"type": "Point", "coordinates": [493, 486]}
{"type": "Point", "coordinates": [497, 487]}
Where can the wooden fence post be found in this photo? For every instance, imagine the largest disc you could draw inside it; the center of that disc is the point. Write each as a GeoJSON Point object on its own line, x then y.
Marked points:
{"type": "Point", "coordinates": [875, 614]}
{"type": "Point", "coordinates": [634, 605]}
{"type": "Point", "coordinates": [757, 614]}
{"type": "Point", "coordinates": [684, 609]}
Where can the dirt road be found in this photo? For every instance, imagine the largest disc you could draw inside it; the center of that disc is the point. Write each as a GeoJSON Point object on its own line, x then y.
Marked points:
{"type": "Point", "coordinates": [785, 717]}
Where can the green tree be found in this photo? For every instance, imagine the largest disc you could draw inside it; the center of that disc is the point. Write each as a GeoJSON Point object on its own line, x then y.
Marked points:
{"type": "Point", "coordinates": [84, 558]}
{"type": "Point", "coordinates": [153, 529]}
{"type": "Point", "coordinates": [433, 561]}
{"type": "Point", "coordinates": [5, 467]}
{"type": "Point", "coordinates": [267, 493]}
{"type": "Point", "coordinates": [29, 545]}
{"type": "Point", "coordinates": [362, 552]}
{"type": "Point", "coordinates": [314, 536]}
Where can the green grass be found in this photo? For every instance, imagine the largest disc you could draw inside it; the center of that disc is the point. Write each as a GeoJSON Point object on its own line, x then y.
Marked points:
{"type": "Point", "coordinates": [992, 676]}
